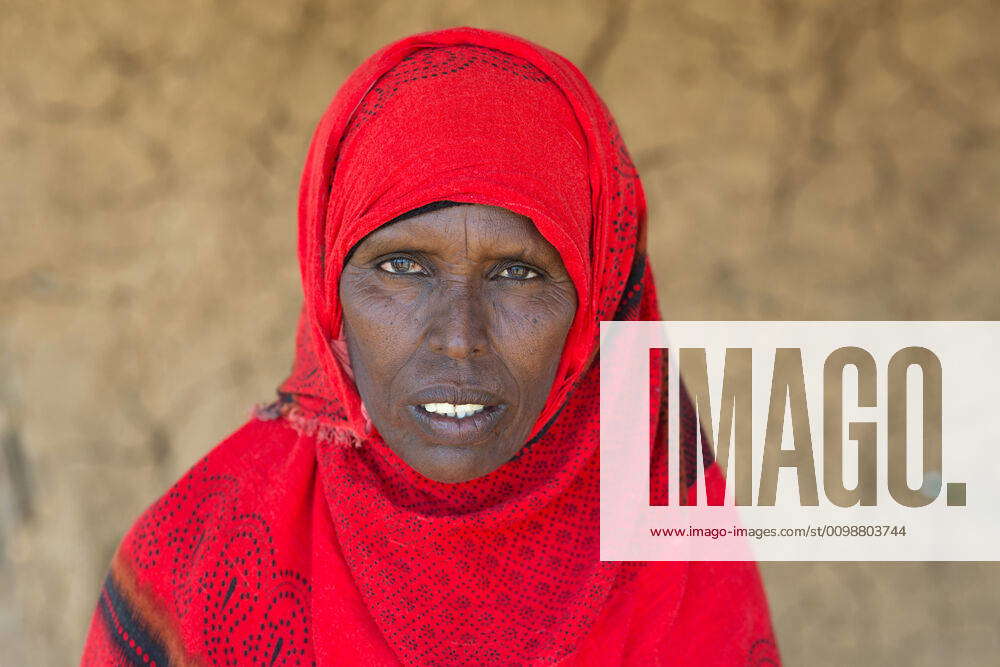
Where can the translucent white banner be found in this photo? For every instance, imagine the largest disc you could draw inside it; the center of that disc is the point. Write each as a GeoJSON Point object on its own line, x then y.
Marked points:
{"type": "Point", "coordinates": [840, 441]}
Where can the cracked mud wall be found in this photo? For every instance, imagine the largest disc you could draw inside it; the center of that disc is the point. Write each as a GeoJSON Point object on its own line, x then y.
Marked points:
{"type": "Point", "coordinates": [802, 160]}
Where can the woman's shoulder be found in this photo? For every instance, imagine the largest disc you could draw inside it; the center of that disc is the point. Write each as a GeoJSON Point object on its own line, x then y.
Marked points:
{"type": "Point", "coordinates": [235, 476]}
{"type": "Point", "coordinates": [211, 536]}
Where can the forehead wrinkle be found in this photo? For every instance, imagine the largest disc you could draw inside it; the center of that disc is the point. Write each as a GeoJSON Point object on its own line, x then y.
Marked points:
{"type": "Point", "coordinates": [465, 229]}
{"type": "Point", "coordinates": [412, 234]}
{"type": "Point", "coordinates": [517, 241]}
{"type": "Point", "coordinates": [500, 236]}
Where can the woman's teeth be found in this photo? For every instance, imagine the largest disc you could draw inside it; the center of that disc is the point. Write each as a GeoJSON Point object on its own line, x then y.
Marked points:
{"type": "Point", "coordinates": [452, 410]}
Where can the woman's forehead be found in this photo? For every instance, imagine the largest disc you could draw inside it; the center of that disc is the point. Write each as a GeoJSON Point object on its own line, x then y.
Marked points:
{"type": "Point", "coordinates": [479, 229]}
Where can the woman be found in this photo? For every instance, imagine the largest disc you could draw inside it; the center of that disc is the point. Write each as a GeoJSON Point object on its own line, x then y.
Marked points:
{"type": "Point", "coordinates": [425, 489]}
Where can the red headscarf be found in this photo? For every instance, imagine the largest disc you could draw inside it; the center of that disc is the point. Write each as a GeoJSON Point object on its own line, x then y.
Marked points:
{"type": "Point", "coordinates": [304, 538]}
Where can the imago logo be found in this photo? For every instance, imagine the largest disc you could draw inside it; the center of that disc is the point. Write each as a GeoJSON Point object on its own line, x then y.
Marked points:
{"type": "Point", "coordinates": [787, 396]}
{"type": "Point", "coordinates": [822, 440]}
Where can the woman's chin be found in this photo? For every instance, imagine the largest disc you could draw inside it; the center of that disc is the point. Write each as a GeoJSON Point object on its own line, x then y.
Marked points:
{"type": "Point", "coordinates": [451, 464]}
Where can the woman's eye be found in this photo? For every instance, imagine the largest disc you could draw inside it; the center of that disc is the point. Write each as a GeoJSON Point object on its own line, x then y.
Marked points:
{"type": "Point", "coordinates": [400, 265]}
{"type": "Point", "coordinates": [518, 272]}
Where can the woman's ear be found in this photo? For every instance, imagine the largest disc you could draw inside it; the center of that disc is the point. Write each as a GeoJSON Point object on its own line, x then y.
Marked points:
{"type": "Point", "coordinates": [339, 347]}
{"type": "Point", "coordinates": [340, 350]}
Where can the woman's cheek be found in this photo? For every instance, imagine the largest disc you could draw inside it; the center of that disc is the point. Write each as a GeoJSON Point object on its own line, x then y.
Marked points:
{"type": "Point", "coordinates": [379, 329]}
{"type": "Point", "coordinates": [392, 308]}
{"type": "Point", "coordinates": [533, 326]}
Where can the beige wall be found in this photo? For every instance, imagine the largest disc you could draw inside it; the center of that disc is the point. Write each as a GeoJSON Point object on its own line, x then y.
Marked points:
{"type": "Point", "coordinates": [803, 160]}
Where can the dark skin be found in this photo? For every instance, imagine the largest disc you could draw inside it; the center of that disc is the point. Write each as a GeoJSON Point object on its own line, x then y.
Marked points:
{"type": "Point", "coordinates": [460, 310]}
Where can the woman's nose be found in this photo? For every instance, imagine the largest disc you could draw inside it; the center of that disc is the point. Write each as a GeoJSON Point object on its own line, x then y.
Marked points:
{"type": "Point", "coordinates": [458, 321]}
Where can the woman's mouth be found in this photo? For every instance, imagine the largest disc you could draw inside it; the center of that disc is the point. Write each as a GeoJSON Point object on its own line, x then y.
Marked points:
{"type": "Point", "coordinates": [457, 424]}
{"type": "Point", "coordinates": [452, 410]}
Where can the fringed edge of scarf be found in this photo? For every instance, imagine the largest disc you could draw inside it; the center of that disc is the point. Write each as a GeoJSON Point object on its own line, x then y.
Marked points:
{"type": "Point", "coordinates": [307, 423]}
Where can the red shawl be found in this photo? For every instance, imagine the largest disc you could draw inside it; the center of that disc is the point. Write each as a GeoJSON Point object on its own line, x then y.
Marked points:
{"type": "Point", "coordinates": [303, 539]}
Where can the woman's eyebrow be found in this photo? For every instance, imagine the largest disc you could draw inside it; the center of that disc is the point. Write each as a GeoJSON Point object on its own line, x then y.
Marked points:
{"type": "Point", "coordinates": [532, 249]}
{"type": "Point", "coordinates": [529, 255]}
{"type": "Point", "coordinates": [526, 252]}
{"type": "Point", "coordinates": [522, 247]}
{"type": "Point", "coordinates": [382, 245]}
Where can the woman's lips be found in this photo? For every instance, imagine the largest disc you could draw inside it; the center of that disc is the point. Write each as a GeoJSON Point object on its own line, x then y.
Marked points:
{"type": "Point", "coordinates": [468, 430]}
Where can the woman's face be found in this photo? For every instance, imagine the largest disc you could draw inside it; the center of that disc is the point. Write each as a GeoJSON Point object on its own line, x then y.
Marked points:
{"type": "Point", "coordinates": [455, 322]}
